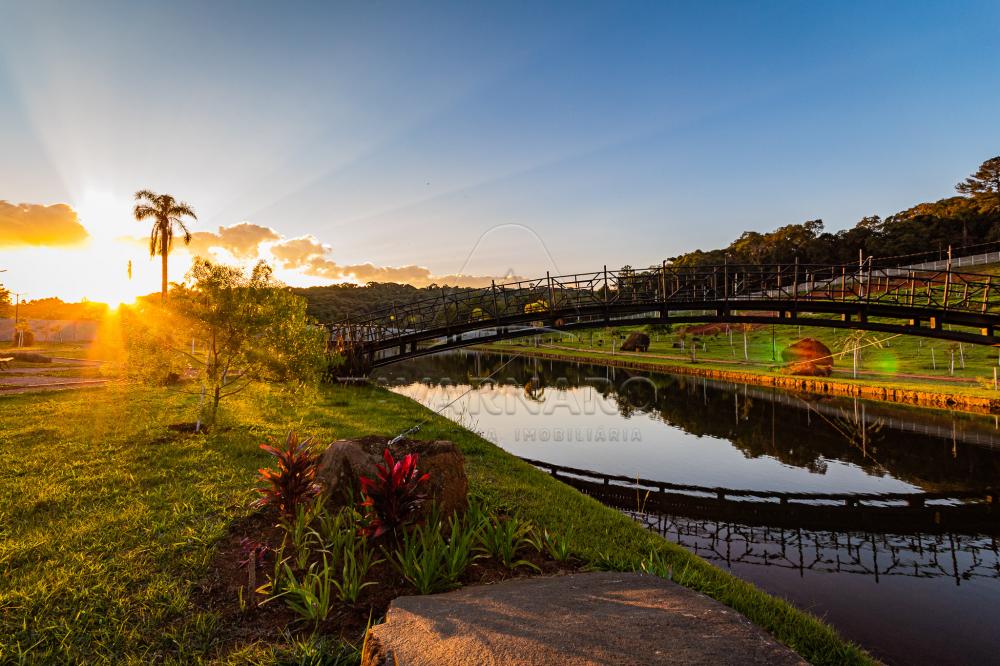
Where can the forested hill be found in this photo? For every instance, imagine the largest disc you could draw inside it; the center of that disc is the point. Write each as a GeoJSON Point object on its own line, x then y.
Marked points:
{"type": "Point", "coordinates": [968, 220]}
{"type": "Point", "coordinates": [337, 302]}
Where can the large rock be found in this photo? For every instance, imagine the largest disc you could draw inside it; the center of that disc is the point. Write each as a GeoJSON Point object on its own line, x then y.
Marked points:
{"type": "Point", "coordinates": [808, 357]}
{"type": "Point", "coordinates": [636, 342]}
{"type": "Point", "coordinates": [576, 620]}
{"type": "Point", "coordinates": [344, 461]}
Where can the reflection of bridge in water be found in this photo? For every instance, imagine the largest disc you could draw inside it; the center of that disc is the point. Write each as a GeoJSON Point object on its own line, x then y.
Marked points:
{"type": "Point", "coordinates": [957, 556]}
{"type": "Point", "coordinates": [924, 535]}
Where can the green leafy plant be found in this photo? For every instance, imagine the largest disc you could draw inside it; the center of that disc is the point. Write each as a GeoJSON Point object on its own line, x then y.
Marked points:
{"type": "Point", "coordinates": [556, 547]}
{"type": "Point", "coordinates": [293, 484]}
{"type": "Point", "coordinates": [420, 558]}
{"type": "Point", "coordinates": [311, 597]}
{"type": "Point", "coordinates": [393, 499]}
{"type": "Point", "coordinates": [609, 562]}
{"type": "Point", "coordinates": [463, 535]}
{"type": "Point", "coordinates": [433, 559]}
{"type": "Point", "coordinates": [299, 533]}
{"type": "Point", "coordinates": [503, 538]}
{"type": "Point", "coordinates": [657, 565]}
{"type": "Point", "coordinates": [357, 560]}
{"type": "Point", "coordinates": [335, 531]}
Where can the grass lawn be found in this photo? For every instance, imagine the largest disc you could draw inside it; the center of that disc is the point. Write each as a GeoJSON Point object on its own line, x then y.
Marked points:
{"type": "Point", "coordinates": [897, 360]}
{"type": "Point", "coordinates": [108, 520]}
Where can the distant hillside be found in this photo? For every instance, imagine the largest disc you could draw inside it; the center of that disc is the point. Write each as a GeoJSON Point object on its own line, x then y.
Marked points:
{"type": "Point", "coordinates": [56, 309]}
{"type": "Point", "coordinates": [338, 302]}
{"type": "Point", "coordinates": [970, 220]}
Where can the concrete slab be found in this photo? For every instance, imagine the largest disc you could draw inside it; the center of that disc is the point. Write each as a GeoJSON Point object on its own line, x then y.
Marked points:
{"type": "Point", "coordinates": [574, 620]}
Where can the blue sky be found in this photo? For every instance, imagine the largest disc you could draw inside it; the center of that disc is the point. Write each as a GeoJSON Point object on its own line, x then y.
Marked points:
{"type": "Point", "coordinates": [400, 134]}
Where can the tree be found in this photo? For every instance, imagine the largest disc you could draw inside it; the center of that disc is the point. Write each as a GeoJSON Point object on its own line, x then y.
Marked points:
{"type": "Point", "coordinates": [253, 329]}
{"type": "Point", "coordinates": [166, 213]}
{"type": "Point", "coordinates": [984, 186]}
{"type": "Point", "coordinates": [855, 343]}
{"type": "Point", "coordinates": [4, 299]}
{"type": "Point", "coordinates": [227, 329]}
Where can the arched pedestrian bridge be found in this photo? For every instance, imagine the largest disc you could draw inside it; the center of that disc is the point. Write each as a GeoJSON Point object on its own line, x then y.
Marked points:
{"type": "Point", "coordinates": [948, 305]}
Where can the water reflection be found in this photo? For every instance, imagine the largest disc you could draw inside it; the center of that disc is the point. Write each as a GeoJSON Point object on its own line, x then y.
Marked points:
{"type": "Point", "coordinates": [612, 421]}
{"type": "Point", "coordinates": [914, 579]}
{"type": "Point", "coordinates": [958, 557]}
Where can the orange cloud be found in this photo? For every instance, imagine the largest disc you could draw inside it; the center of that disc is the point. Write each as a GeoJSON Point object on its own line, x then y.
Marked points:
{"type": "Point", "coordinates": [310, 256]}
{"type": "Point", "coordinates": [36, 224]}
{"type": "Point", "coordinates": [242, 240]}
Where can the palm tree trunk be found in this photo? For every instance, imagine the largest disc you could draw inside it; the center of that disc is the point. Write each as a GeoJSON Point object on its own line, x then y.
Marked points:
{"type": "Point", "coordinates": [163, 257]}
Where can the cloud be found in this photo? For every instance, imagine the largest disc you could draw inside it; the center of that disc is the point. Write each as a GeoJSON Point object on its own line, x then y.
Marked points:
{"type": "Point", "coordinates": [37, 224]}
{"type": "Point", "coordinates": [308, 256]}
{"type": "Point", "coordinates": [242, 240]}
{"type": "Point", "coordinates": [311, 257]}
{"type": "Point", "coordinates": [304, 251]}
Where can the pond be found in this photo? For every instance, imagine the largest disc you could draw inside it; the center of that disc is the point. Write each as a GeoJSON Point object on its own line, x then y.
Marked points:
{"type": "Point", "coordinates": [914, 581]}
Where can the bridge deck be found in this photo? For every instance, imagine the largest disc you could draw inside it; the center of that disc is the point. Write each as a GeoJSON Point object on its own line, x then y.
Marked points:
{"type": "Point", "coordinates": [963, 307]}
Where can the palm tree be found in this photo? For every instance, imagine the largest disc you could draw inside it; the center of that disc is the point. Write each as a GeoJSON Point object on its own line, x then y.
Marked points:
{"type": "Point", "coordinates": [166, 212]}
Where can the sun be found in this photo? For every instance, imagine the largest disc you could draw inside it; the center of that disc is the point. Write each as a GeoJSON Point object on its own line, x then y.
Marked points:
{"type": "Point", "coordinates": [113, 274]}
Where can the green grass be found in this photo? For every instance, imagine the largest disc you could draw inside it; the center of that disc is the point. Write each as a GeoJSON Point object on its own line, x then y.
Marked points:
{"type": "Point", "coordinates": [903, 361]}
{"type": "Point", "coordinates": [108, 520]}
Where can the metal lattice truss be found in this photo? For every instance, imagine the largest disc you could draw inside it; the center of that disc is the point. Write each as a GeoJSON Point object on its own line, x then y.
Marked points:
{"type": "Point", "coordinates": [931, 303]}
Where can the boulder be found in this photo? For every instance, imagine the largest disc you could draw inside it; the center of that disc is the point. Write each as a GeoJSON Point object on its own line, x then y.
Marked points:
{"type": "Point", "coordinates": [582, 619]}
{"type": "Point", "coordinates": [344, 461]}
{"type": "Point", "coordinates": [636, 342]}
{"type": "Point", "coordinates": [808, 357]}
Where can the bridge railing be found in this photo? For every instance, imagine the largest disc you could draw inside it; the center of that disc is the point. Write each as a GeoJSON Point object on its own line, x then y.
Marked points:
{"type": "Point", "coordinates": [727, 286]}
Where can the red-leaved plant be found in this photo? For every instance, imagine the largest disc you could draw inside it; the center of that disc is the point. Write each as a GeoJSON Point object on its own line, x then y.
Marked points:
{"type": "Point", "coordinates": [394, 498]}
{"type": "Point", "coordinates": [294, 482]}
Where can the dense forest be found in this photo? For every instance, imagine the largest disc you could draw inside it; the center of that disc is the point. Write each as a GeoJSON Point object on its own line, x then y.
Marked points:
{"type": "Point", "coordinates": [968, 220]}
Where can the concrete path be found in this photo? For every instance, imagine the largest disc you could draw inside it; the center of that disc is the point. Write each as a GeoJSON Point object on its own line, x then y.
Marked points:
{"type": "Point", "coordinates": [574, 620]}
{"type": "Point", "coordinates": [45, 376]}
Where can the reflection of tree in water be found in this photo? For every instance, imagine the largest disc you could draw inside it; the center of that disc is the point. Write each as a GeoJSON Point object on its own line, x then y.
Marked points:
{"type": "Point", "coordinates": [534, 390]}
{"type": "Point", "coordinates": [759, 422]}
{"type": "Point", "coordinates": [859, 432]}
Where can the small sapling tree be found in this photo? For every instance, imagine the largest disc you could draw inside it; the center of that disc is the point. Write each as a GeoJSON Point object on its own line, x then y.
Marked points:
{"type": "Point", "coordinates": [227, 328]}
{"type": "Point", "coordinates": [252, 328]}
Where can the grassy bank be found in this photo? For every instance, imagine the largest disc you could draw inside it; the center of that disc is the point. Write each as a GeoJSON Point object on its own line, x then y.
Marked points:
{"type": "Point", "coordinates": [903, 369]}
{"type": "Point", "coordinates": [108, 520]}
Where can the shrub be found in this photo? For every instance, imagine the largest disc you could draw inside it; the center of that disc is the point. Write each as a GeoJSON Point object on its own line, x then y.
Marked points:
{"type": "Point", "coordinates": [293, 483]}
{"type": "Point", "coordinates": [394, 498]}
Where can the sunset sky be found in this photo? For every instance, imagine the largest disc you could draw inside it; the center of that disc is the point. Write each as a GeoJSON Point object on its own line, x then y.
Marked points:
{"type": "Point", "coordinates": [417, 142]}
